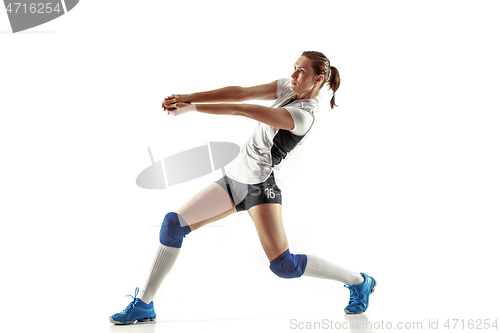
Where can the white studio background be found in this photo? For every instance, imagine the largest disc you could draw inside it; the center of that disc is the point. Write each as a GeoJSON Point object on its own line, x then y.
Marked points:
{"type": "Point", "coordinates": [400, 181]}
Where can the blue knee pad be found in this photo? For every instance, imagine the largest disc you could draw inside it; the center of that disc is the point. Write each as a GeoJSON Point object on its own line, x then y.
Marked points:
{"type": "Point", "coordinates": [173, 230]}
{"type": "Point", "coordinates": [288, 266]}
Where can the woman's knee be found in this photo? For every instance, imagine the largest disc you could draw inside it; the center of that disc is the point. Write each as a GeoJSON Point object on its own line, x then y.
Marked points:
{"type": "Point", "coordinates": [173, 229]}
{"type": "Point", "coordinates": [288, 265]}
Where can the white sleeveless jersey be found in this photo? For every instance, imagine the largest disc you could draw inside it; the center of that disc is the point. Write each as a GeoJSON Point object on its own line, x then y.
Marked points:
{"type": "Point", "coordinates": [268, 146]}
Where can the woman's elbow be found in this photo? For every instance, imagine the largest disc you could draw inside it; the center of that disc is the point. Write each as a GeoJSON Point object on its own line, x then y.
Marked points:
{"type": "Point", "coordinates": [243, 94]}
{"type": "Point", "coordinates": [236, 94]}
{"type": "Point", "coordinates": [241, 110]}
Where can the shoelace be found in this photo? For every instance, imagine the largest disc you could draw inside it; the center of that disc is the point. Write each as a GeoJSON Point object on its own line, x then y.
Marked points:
{"type": "Point", "coordinates": [354, 294]}
{"type": "Point", "coordinates": [134, 302]}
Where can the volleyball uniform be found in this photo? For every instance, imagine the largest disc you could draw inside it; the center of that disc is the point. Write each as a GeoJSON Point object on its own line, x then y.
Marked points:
{"type": "Point", "coordinates": [250, 179]}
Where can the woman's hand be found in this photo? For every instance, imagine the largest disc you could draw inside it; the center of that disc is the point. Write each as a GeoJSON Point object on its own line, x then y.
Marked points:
{"type": "Point", "coordinates": [178, 108]}
{"type": "Point", "coordinates": [169, 102]}
{"type": "Point", "coordinates": [172, 99]}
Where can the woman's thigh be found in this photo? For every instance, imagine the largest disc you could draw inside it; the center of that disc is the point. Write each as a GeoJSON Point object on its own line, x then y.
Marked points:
{"type": "Point", "coordinates": [209, 205]}
{"type": "Point", "coordinates": [269, 224]}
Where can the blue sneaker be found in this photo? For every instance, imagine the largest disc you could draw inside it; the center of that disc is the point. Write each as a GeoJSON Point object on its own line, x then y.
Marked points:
{"type": "Point", "coordinates": [358, 303]}
{"type": "Point", "coordinates": [137, 310]}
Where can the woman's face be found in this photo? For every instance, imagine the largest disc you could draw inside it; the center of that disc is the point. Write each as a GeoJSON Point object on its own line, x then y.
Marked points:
{"type": "Point", "coordinates": [303, 77]}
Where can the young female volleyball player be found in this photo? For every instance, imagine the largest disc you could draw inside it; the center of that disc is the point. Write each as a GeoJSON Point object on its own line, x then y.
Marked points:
{"type": "Point", "coordinates": [249, 183]}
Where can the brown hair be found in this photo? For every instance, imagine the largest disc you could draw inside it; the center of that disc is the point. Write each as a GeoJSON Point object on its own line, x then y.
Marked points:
{"type": "Point", "coordinates": [321, 65]}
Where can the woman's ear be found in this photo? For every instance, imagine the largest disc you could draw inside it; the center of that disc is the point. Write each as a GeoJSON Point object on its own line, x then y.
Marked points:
{"type": "Point", "coordinates": [319, 79]}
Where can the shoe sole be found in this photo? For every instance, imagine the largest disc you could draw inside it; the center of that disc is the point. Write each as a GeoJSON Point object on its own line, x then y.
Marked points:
{"type": "Point", "coordinates": [373, 289]}
{"type": "Point", "coordinates": [130, 322]}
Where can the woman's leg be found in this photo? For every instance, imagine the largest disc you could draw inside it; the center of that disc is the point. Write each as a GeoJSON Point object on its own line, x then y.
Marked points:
{"type": "Point", "coordinates": [209, 205]}
{"type": "Point", "coordinates": [269, 224]}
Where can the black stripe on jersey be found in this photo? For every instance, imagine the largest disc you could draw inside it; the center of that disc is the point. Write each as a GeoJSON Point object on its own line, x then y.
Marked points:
{"type": "Point", "coordinates": [284, 141]}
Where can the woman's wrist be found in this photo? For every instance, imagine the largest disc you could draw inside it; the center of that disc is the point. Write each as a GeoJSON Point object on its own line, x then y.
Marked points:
{"type": "Point", "coordinates": [188, 98]}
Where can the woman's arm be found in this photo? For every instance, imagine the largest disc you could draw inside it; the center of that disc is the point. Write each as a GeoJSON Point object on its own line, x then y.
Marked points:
{"type": "Point", "coordinates": [232, 94]}
{"type": "Point", "coordinates": [276, 117]}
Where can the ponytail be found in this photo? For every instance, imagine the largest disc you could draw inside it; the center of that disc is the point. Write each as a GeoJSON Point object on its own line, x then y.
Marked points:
{"type": "Point", "coordinates": [333, 83]}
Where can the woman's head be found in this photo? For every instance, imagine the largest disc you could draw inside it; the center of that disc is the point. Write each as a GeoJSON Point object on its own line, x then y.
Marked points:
{"type": "Point", "coordinates": [323, 72]}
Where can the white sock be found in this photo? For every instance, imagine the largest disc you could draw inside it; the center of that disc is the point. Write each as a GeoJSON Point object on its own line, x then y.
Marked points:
{"type": "Point", "coordinates": [321, 268]}
{"type": "Point", "coordinates": [165, 259]}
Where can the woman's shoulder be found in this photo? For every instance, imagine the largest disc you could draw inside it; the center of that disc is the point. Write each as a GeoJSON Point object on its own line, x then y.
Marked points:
{"type": "Point", "coordinates": [285, 81]}
{"type": "Point", "coordinates": [284, 87]}
{"type": "Point", "coordinates": [308, 105]}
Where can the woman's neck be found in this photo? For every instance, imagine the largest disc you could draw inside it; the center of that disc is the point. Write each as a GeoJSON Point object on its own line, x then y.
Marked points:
{"type": "Point", "coordinates": [306, 95]}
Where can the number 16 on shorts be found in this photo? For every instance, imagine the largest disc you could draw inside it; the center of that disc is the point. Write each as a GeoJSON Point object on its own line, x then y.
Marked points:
{"type": "Point", "coordinates": [269, 193]}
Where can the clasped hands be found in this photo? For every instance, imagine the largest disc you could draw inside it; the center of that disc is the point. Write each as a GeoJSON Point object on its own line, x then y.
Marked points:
{"type": "Point", "coordinates": [177, 105]}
